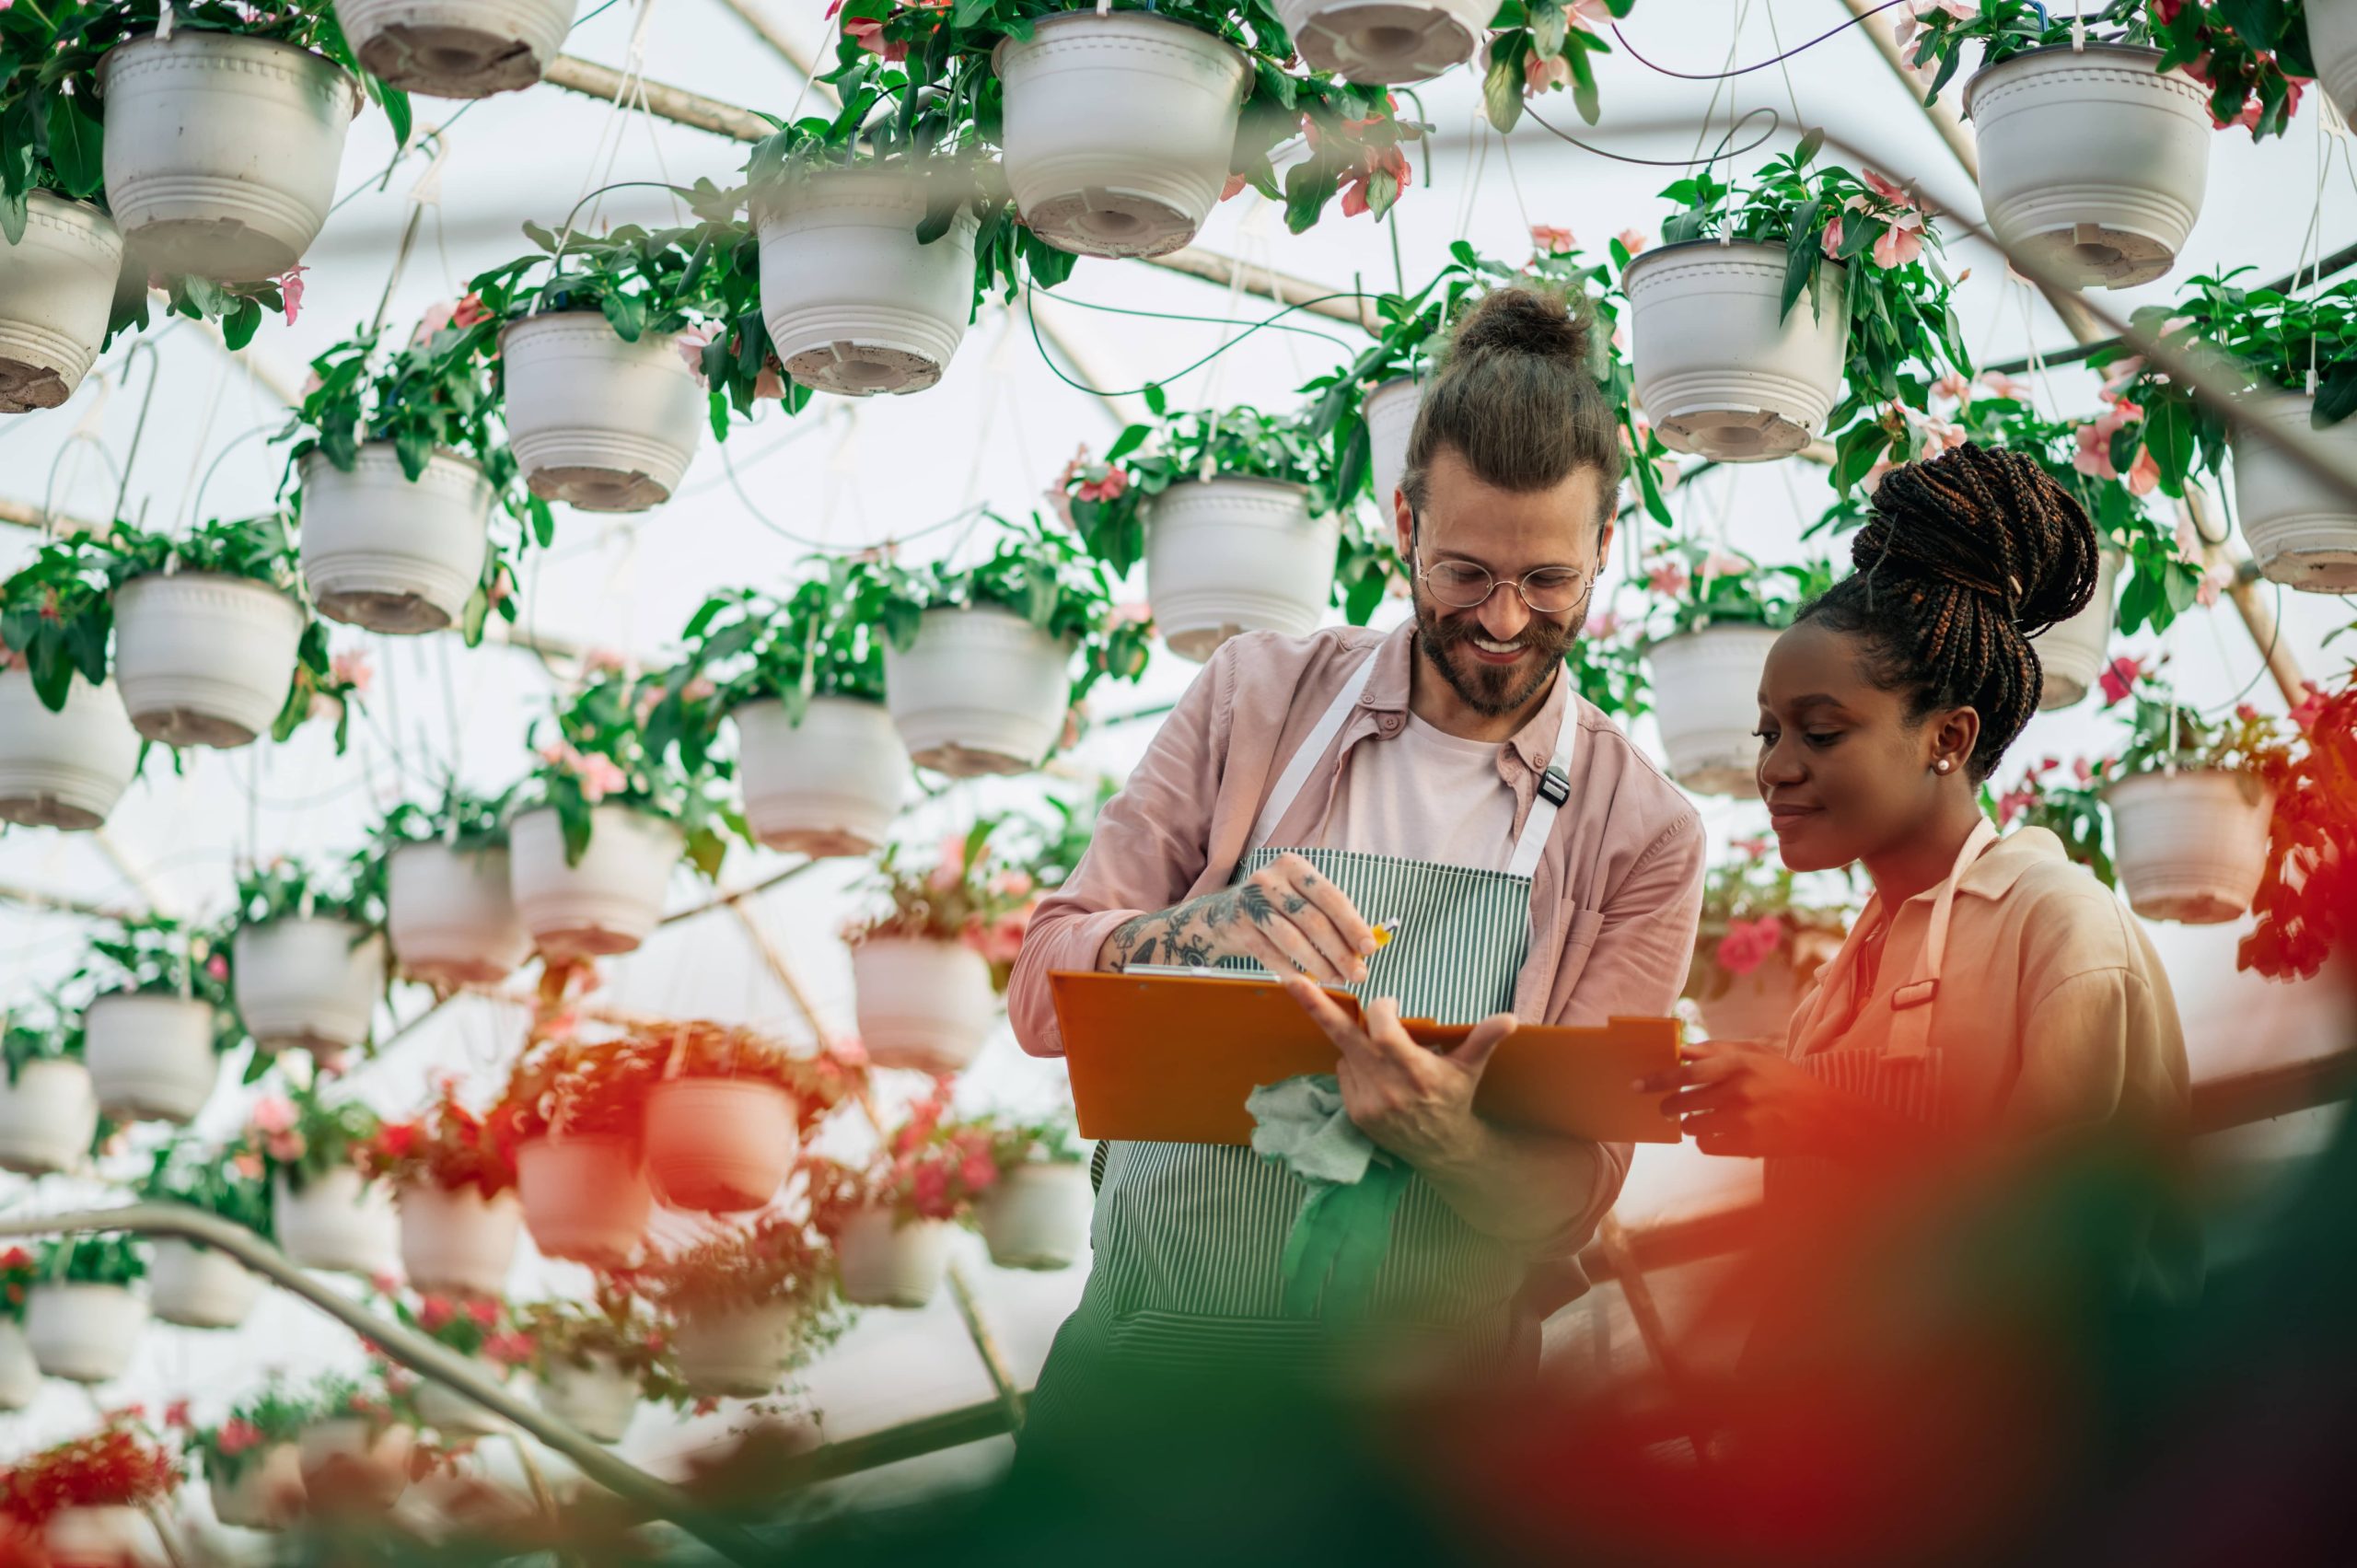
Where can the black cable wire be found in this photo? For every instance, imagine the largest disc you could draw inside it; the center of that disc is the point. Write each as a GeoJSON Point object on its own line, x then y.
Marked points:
{"type": "Point", "coordinates": [1032, 315]}
{"type": "Point", "coordinates": [1746, 70]}
{"type": "Point", "coordinates": [1775, 124]}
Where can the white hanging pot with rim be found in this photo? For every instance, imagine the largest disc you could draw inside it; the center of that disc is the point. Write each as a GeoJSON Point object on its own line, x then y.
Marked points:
{"type": "Point", "coordinates": [390, 554]}
{"type": "Point", "coordinates": [921, 1003]}
{"type": "Point", "coordinates": [455, 48]}
{"type": "Point", "coordinates": [307, 984]}
{"type": "Point", "coordinates": [598, 1399]}
{"type": "Point", "coordinates": [2190, 846]}
{"type": "Point", "coordinates": [338, 1222]}
{"type": "Point", "coordinates": [608, 902]}
{"type": "Point", "coordinates": [595, 421]}
{"type": "Point", "coordinates": [2091, 163]}
{"type": "Point", "coordinates": [887, 1261]}
{"type": "Point", "coordinates": [1390, 42]}
{"type": "Point", "coordinates": [48, 1117]}
{"type": "Point", "coordinates": [1390, 410]}
{"type": "Point", "coordinates": [203, 659]}
{"type": "Point", "coordinates": [197, 1288]}
{"type": "Point", "coordinates": [2332, 48]}
{"type": "Point", "coordinates": [855, 306]}
{"type": "Point", "coordinates": [453, 1415]}
{"type": "Point", "coordinates": [84, 1334]}
{"type": "Point", "coordinates": [719, 1146]}
{"type": "Point", "coordinates": [350, 1463]}
{"type": "Point", "coordinates": [1718, 370]}
{"type": "Point", "coordinates": [2071, 653]}
{"type": "Point", "coordinates": [830, 786]}
{"type": "Point", "coordinates": [586, 1199]}
{"type": "Point", "coordinates": [1229, 555]}
{"type": "Point", "coordinates": [979, 690]}
{"type": "Point", "coordinates": [150, 1056]}
{"type": "Point", "coordinates": [1706, 699]}
{"type": "Point", "coordinates": [221, 150]}
{"type": "Point", "coordinates": [455, 1241]}
{"type": "Point", "coordinates": [66, 768]}
{"type": "Point", "coordinates": [737, 1352]}
{"type": "Point", "coordinates": [267, 1494]}
{"type": "Point", "coordinates": [56, 292]}
{"type": "Point", "coordinates": [1119, 129]}
{"type": "Point", "coordinates": [105, 1535]}
{"type": "Point", "coordinates": [19, 1373]}
{"type": "Point", "coordinates": [2302, 532]}
{"type": "Point", "coordinates": [1036, 1215]}
{"type": "Point", "coordinates": [450, 914]}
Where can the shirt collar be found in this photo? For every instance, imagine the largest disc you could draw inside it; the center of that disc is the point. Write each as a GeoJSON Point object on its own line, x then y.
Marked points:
{"type": "Point", "coordinates": [1387, 691]}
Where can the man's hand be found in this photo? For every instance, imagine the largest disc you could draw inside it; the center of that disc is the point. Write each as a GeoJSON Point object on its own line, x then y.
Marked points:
{"type": "Point", "coordinates": [1415, 1102]}
{"type": "Point", "coordinates": [1740, 1098]}
{"type": "Point", "coordinates": [1284, 917]}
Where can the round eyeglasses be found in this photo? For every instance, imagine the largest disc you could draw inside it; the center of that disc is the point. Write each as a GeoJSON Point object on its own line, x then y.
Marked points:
{"type": "Point", "coordinates": [1460, 584]}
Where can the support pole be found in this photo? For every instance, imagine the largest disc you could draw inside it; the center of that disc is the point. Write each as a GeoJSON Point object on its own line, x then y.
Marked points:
{"type": "Point", "coordinates": [1010, 1398]}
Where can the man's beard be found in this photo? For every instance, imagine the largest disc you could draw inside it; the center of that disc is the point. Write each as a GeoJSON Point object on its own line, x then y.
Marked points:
{"type": "Point", "coordinates": [1488, 688]}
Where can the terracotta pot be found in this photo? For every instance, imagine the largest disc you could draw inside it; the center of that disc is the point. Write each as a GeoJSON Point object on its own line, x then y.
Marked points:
{"type": "Point", "coordinates": [586, 1199]}
{"type": "Point", "coordinates": [719, 1146]}
{"type": "Point", "coordinates": [457, 1243]}
{"type": "Point", "coordinates": [885, 1262]}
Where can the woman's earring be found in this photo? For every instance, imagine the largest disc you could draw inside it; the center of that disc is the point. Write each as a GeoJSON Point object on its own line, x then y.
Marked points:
{"type": "Point", "coordinates": [1941, 766]}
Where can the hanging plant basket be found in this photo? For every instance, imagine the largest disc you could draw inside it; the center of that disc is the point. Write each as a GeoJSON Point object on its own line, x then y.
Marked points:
{"type": "Point", "coordinates": [453, 1415]}
{"type": "Point", "coordinates": [267, 1494]}
{"type": "Point", "coordinates": [350, 1464]}
{"type": "Point", "coordinates": [1390, 411]}
{"type": "Point", "coordinates": [1721, 370]}
{"type": "Point", "coordinates": [456, 1242]}
{"type": "Point", "coordinates": [197, 1288]}
{"type": "Point", "coordinates": [450, 916]}
{"type": "Point", "coordinates": [827, 787]}
{"type": "Point", "coordinates": [455, 48]}
{"type": "Point", "coordinates": [308, 984]}
{"type": "Point", "coordinates": [855, 304]}
{"type": "Point", "coordinates": [598, 1399]}
{"type": "Point", "coordinates": [150, 1056]}
{"type": "Point", "coordinates": [2071, 653]}
{"type": "Point", "coordinates": [608, 902]}
{"type": "Point", "coordinates": [337, 1221]}
{"type": "Point", "coordinates": [389, 554]}
{"type": "Point", "coordinates": [585, 1199]}
{"type": "Point", "coordinates": [111, 1535]}
{"type": "Point", "coordinates": [221, 150]}
{"type": "Point", "coordinates": [981, 691]}
{"type": "Point", "coordinates": [1036, 1216]}
{"type": "Point", "coordinates": [1757, 1005]}
{"type": "Point", "coordinates": [719, 1146]}
{"type": "Point", "coordinates": [603, 425]}
{"type": "Point", "coordinates": [2302, 532]}
{"type": "Point", "coordinates": [736, 1352]}
{"type": "Point", "coordinates": [56, 291]}
{"type": "Point", "coordinates": [1118, 129]}
{"type": "Point", "coordinates": [885, 1262]}
{"type": "Point", "coordinates": [1390, 41]}
{"type": "Point", "coordinates": [923, 1005]}
{"type": "Point", "coordinates": [2332, 45]}
{"type": "Point", "coordinates": [2091, 162]}
{"type": "Point", "coordinates": [66, 768]}
{"type": "Point", "coordinates": [19, 1373]}
{"type": "Point", "coordinates": [84, 1334]}
{"type": "Point", "coordinates": [204, 660]}
{"type": "Point", "coordinates": [2190, 846]}
{"type": "Point", "coordinates": [1230, 555]}
{"type": "Point", "coordinates": [48, 1117]}
{"type": "Point", "coordinates": [1706, 698]}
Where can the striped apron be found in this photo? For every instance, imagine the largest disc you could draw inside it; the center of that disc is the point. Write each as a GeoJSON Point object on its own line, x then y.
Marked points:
{"type": "Point", "coordinates": [1188, 1237]}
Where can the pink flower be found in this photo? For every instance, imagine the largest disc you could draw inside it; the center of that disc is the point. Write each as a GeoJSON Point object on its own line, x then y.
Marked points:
{"type": "Point", "coordinates": [603, 661]}
{"type": "Point", "coordinates": [217, 967]}
{"type": "Point", "coordinates": [1719, 565]}
{"type": "Point", "coordinates": [2081, 772]}
{"type": "Point", "coordinates": [1002, 941]}
{"type": "Point", "coordinates": [771, 382]}
{"type": "Point", "coordinates": [1889, 191]}
{"type": "Point", "coordinates": [290, 286]}
{"type": "Point", "coordinates": [510, 1349]}
{"type": "Point", "coordinates": [247, 1164]}
{"type": "Point", "coordinates": [434, 1313]}
{"type": "Point", "coordinates": [978, 1173]}
{"type": "Point", "coordinates": [1750, 943]}
{"type": "Point", "coordinates": [2118, 679]}
{"type": "Point", "coordinates": [2144, 473]}
{"type": "Point", "coordinates": [2309, 708]}
{"type": "Point", "coordinates": [2012, 803]}
{"type": "Point", "coordinates": [697, 690]}
{"type": "Point", "coordinates": [599, 776]}
{"type": "Point", "coordinates": [1952, 387]}
{"type": "Point", "coordinates": [867, 33]}
{"type": "Point", "coordinates": [272, 1113]}
{"type": "Point", "coordinates": [1010, 884]}
{"type": "Point", "coordinates": [1634, 241]}
{"type": "Point", "coordinates": [1940, 435]}
{"type": "Point", "coordinates": [1235, 186]}
{"type": "Point", "coordinates": [1832, 242]}
{"type": "Point", "coordinates": [2245, 713]}
{"type": "Point", "coordinates": [1754, 848]}
{"type": "Point", "coordinates": [1133, 612]}
{"type": "Point", "coordinates": [690, 344]}
{"type": "Point", "coordinates": [469, 312]}
{"type": "Point", "coordinates": [1999, 385]}
{"type": "Point", "coordinates": [481, 1313]}
{"type": "Point", "coordinates": [1392, 160]}
{"type": "Point", "coordinates": [929, 1192]}
{"type": "Point", "coordinates": [1668, 579]}
{"type": "Point", "coordinates": [949, 869]}
{"type": "Point", "coordinates": [1902, 242]}
{"type": "Point", "coordinates": [176, 1414]}
{"type": "Point", "coordinates": [1549, 241]}
{"type": "Point", "coordinates": [2094, 456]}
{"type": "Point", "coordinates": [1540, 75]}
{"type": "Point", "coordinates": [239, 1434]}
{"type": "Point", "coordinates": [352, 668]}
{"type": "Point", "coordinates": [284, 1147]}
{"type": "Point", "coordinates": [1603, 624]}
{"type": "Point", "coordinates": [432, 325]}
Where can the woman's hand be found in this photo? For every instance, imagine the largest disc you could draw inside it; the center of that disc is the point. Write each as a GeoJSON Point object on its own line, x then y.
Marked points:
{"type": "Point", "coordinates": [1737, 1098]}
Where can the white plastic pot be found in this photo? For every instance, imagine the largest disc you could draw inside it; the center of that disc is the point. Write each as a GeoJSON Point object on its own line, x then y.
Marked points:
{"type": "Point", "coordinates": [2071, 653]}
{"type": "Point", "coordinates": [855, 304]}
{"type": "Point", "coordinates": [1718, 371]}
{"type": "Point", "coordinates": [66, 768]}
{"type": "Point", "coordinates": [457, 1243]}
{"type": "Point", "coordinates": [599, 1399]}
{"type": "Point", "coordinates": [199, 1288]}
{"type": "Point", "coordinates": [204, 660]}
{"type": "Point", "coordinates": [885, 1262]}
{"type": "Point", "coordinates": [981, 691]}
{"type": "Point", "coordinates": [585, 1199]}
{"type": "Point", "coordinates": [605, 425]}
{"type": "Point", "coordinates": [390, 553]}
{"type": "Point", "coordinates": [2332, 47]}
{"type": "Point", "coordinates": [267, 1494]}
{"type": "Point", "coordinates": [2302, 532]}
{"type": "Point", "coordinates": [830, 786]}
{"type": "Point", "coordinates": [19, 1375]}
{"type": "Point", "coordinates": [1036, 1216]}
{"type": "Point", "coordinates": [150, 1056]}
{"type": "Point", "coordinates": [308, 984]}
{"type": "Point", "coordinates": [719, 1146]}
{"type": "Point", "coordinates": [56, 291]}
{"type": "Point", "coordinates": [349, 1463]}
{"type": "Point", "coordinates": [337, 1221]}
{"type": "Point", "coordinates": [1119, 129]}
{"type": "Point", "coordinates": [736, 1352]}
{"type": "Point", "coordinates": [1757, 1007]}
{"type": "Point", "coordinates": [921, 1005]}
{"type": "Point", "coordinates": [455, 48]}
{"type": "Point", "coordinates": [450, 916]}
{"type": "Point", "coordinates": [1706, 699]}
{"type": "Point", "coordinates": [2190, 846]}
{"type": "Point", "coordinates": [453, 1415]}
{"type": "Point", "coordinates": [1231, 555]}
{"type": "Point", "coordinates": [222, 150]}
{"type": "Point", "coordinates": [84, 1334]}
{"type": "Point", "coordinates": [111, 1535]}
{"type": "Point", "coordinates": [608, 902]}
{"type": "Point", "coordinates": [47, 1118]}
{"type": "Point", "coordinates": [2091, 163]}
{"type": "Point", "coordinates": [1389, 410]}
{"type": "Point", "coordinates": [1386, 41]}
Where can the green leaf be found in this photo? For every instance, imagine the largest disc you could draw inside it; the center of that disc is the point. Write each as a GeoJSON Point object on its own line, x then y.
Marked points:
{"type": "Point", "coordinates": [2336, 396]}
{"type": "Point", "coordinates": [239, 326]}
{"type": "Point", "coordinates": [2168, 436]}
{"type": "Point", "coordinates": [397, 110]}
{"type": "Point", "coordinates": [1501, 89]}
{"type": "Point", "coordinates": [1157, 401]}
{"type": "Point", "coordinates": [75, 142]}
{"type": "Point", "coordinates": [627, 315]}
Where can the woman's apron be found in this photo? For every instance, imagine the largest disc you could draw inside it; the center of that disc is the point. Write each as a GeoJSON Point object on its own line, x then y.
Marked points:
{"type": "Point", "coordinates": [1188, 1237]}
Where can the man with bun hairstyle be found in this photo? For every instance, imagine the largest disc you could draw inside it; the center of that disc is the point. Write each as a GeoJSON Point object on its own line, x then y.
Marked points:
{"type": "Point", "coordinates": [1446, 782]}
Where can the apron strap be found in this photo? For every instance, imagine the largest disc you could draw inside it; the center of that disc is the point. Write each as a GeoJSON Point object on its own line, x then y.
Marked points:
{"type": "Point", "coordinates": [1296, 773]}
{"type": "Point", "coordinates": [1554, 788]}
{"type": "Point", "coordinates": [1910, 1005]}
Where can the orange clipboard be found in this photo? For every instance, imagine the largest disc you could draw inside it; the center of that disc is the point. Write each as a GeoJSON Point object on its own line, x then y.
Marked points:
{"type": "Point", "coordinates": [1170, 1058]}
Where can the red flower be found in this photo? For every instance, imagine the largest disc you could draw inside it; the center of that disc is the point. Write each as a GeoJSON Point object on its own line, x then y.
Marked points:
{"type": "Point", "coordinates": [484, 1313]}
{"type": "Point", "coordinates": [176, 1414]}
{"type": "Point", "coordinates": [1750, 943]}
{"type": "Point", "coordinates": [434, 1313]}
{"type": "Point", "coordinates": [2118, 679]}
{"type": "Point", "coordinates": [469, 312]}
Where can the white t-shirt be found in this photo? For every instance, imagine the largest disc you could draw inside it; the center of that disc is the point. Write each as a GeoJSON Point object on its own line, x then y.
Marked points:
{"type": "Point", "coordinates": [1424, 794]}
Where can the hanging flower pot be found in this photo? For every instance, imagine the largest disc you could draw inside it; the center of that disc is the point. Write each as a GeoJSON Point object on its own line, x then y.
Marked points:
{"type": "Point", "coordinates": [455, 1241]}
{"type": "Point", "coordinates": [450, 914]}
{"type": "Point", "coordinates": [1756, 1006]}
{"type": "Point", "coordinates": [2332, 45]}
{"type": "Point", "coordinates": [83, 1332]}
{"type": "Point", "coordinates": [1118, 129]}
{"type": "Point", "coordinates": [203, 659]}
{"type": "Point", "coordinates": [1706, 697]}
{"type": "Point", "coordinates": [66, 768]}
{"type": "Point", "coordinates": [599, 1399]}
{"type": "Point", "coordinates": [2071, 653]}
{"type": "Point", "coordinates": [1386, 41]}
{"type": "Point", "coordinates": [608, 902]}
{"type": "Point", "coordinates": [1389, 410]}
{"type": "Point", "coordinates": [2190, 846]}
{"type": "Point", "coordinates": [107, 1534]}
{"type": "Point", "coordinates": [455, 48]}
{"type": "Point", "coordinates": [830, 786]}
{"type": "Point", "coordinates": [350, 1463]}
{"type": "Point", "coordinates": [56, 292]}
{"type": "Point", "coordinates": [391, 553]}
{"type": "Point", "coordinates": [48, 1117]}
{"type": "Point", "coordinates": [19, 1373]}
{"type": "Point", "coordinates": [2302, 532]}
{"type": "Point", "coordinates": [150, 1056]}
{"type": "Point", "coordinates": [2091, 162]}
{"type": "Point", "coordinates": [307, 984]}
{"type": "Point", "coordinates": [1721, 370]}
{"type": "Point", "coordinates": [453, 1415]}
{"type": "Point", "coordinates": [604, 425]}
{"type": "Point", "coordinates": [719, 1146]}
{"type": "Point", "coordinates": [221, 150]}
{"type": "Point", "coordinates": [885, 1262]}
{"type": "Point", "coordinates": [921, 1005]}
{"type": "Point", "coordinates": [338, 1222]}
{"type": "Point", "coordinates": [586, 1199]}
{"type": "Point", "coordinates": [981, 691]}
{"type": "Point", "coordinates": [855, 304]}
{"type": "Point", "coordinates": [738, 1352]}
{"type": "Point", "coordinates": [267, 1494]}
{"type": "Point", "coordinates": [1036, 1216]}
{"type": "Point", "coordinates": [1230, 555]}
{"type": "Point", "coordinates": [197, 1288]}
